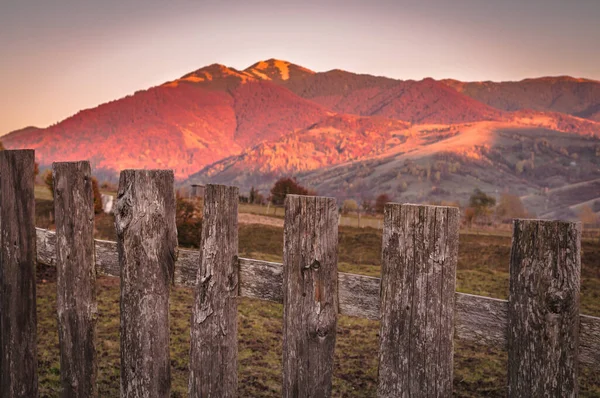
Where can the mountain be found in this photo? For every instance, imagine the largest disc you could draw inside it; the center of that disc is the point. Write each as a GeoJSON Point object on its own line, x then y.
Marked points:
{"type": "Point", "coordinates": [184, 124]}
{"type": "Point", "coordinates": [347, 134]}
{"type": "Point", "coordinates": [564, 94]}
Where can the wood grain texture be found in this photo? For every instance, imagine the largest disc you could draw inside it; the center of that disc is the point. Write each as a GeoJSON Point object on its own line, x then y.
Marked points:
{"type": "Point", "coordinates": [261, 279]}
{"type": "Point", "coordinates": [543, 316]}
{"type": "Point", "coordinates": [310, 299]}
{"type": "Point", "coordinates": [76, 278]}
{"type": "Point", "coordinates": [214, 340]}
{"type": "Point", "coordinates": [418, 277]}
{"type": "Point", "coordinates": [147, 244]}
{"type": "Point", "coordinates": [359, 295]}
{"type": "Point", "coordinates": [478, 319]}
{"type": "Point", "coordinates": [18, 319]}
{"type": "Point", "coordinates": [482, 320]}
{"type": "Point", "coordinates": [589, 340]}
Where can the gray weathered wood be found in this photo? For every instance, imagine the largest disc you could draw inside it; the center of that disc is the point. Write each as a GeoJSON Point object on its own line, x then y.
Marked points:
{"type": "Point", "coordinates": [18, 319]}
{"type": "Point", "coordinates": [213, 352]}
{"type": "Point", "coordinates": [359, 295]}
{"type": "Point", "coordinates": [261, 279]}
{"type": "Point", "coordinates": [418, 277]}
{"type": "Point", "coordinates": [310, 299]}
{"type": "Point", "coordinates": [480, 320]}
{"type": "Point", "coordinates": [76, 278]}
{"type": "Point", "coordinates": [147, 244]}
{"type": "Point", "coordinates": [543, 316]}
{"type": "Point", "coordinates": [589, 340]}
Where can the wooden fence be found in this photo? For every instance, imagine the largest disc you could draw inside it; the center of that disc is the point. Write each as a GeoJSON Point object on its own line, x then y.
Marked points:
{"type": "Point", "coordinates": [415, 298]}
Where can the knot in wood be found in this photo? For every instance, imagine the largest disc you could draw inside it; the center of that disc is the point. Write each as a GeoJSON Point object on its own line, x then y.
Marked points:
{"type": "Point", "coordinates": [320, 332]}
{"type": "Point", "coordinates": [557, 301]}
{"type": "Point", "coordinates": [315, 264]}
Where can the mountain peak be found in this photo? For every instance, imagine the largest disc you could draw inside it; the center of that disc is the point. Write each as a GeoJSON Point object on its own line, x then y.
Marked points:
{"type": "Point", "coordinates": [277, 70]}
{"type": "Point", "coordinates": [211, 73]}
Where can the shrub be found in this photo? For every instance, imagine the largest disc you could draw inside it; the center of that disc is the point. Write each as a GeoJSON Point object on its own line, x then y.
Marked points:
{"type": "Point", "coordinates": [481, 203]}
{"type": "Point", "coordinates": [510, 206]}
{"type": "Point", "coordinates": [381, 201]}
{"type": "Point", "coordinates": [189, 222]}
{"type": "Point", "coordinates": [97, 196]}
{"type": "Point", "coordinates": [285, 186]}
{"type": "Point", "coordinates": [49, 181]}
{"type": "Point", "coordinates": [349, 205]}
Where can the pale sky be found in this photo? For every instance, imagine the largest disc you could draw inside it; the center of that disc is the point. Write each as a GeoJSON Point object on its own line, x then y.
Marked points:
{"type": "Point", "coordinates": [61, 56]}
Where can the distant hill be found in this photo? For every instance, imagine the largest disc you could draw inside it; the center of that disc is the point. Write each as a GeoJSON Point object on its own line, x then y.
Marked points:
{"type": "Point", "coordinates": [564, 94]}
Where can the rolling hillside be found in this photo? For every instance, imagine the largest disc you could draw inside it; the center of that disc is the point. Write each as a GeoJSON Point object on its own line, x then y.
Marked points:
{"type": "Point", "coordinates": [432, 163]}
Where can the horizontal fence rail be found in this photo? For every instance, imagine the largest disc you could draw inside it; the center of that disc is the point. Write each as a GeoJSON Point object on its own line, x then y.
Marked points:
{"type": "Point", "coordinates": [478, 319]}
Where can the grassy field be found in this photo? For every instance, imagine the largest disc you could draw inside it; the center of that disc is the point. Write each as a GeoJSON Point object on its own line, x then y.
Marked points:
{"type": "Point", "coordinates": [479, 370]}
{"type": "Point", "coordinates": [348, 220]}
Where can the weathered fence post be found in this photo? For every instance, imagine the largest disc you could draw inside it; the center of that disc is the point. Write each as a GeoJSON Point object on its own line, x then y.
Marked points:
{"type": "Point", "coordinates": [76, 277]}
{"type": "Point", "coordinates": [213, 351]}
{"type": "Point", "coordinates": [310, 299]}
{"type": "Point", "coordinates": [418, 277]}
{"type": "Point", "coordinates": [147, 244]}
{"type": "Point", "coordinates": [543, 316]}
{"type": "Point", "coordinates": [18, 319]}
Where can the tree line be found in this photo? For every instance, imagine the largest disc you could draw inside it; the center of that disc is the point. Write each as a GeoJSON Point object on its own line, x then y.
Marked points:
{"type": "Point", "coordinates": [481, 209]}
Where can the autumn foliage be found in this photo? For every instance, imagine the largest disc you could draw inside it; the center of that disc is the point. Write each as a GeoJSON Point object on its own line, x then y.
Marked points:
{"type": "Point", "coordinates": [285, 186]}
{"type": "Point", "coordinates": [381, 201]}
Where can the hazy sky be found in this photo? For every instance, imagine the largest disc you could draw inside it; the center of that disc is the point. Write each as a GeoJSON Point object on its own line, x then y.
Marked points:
{"type": "Point", "coordinates": [60, 56]}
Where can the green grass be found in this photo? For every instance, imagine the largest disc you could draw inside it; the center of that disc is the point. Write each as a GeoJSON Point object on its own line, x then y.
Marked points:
{"type": "Point", "coordinates": [478, 370]}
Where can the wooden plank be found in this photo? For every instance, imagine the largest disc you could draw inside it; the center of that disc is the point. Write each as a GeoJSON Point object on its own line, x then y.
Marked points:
{"type": "Point", "coordinates": [261, 279]}
{"type": "Point", "coordinates": [214, 340]}
{"type": "Point", "coordinates": [481, 320]}
{"type": "Point", "coordinates": [107, 258]}
{"type": "Point", "coordinates": [310, 299]}
{"type": "Point", "coordinates": [420, 252]}
{"type": "Point", "coordinates": [543, 315]}
{"type": "Point", "coordinates": [589, 341]}
{"type": "Point", "coordinates": [147, 244]}
{"type": "Point", "coordinates": [359, 295]}
{"type": "Point", "coordinates": [76, 278]}
{"type": "Point", "coordinates": [18, 319]}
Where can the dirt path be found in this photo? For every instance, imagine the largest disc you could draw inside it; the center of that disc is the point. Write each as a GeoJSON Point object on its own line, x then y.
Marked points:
{"type": "Point", "coordinates": [246, 218]}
